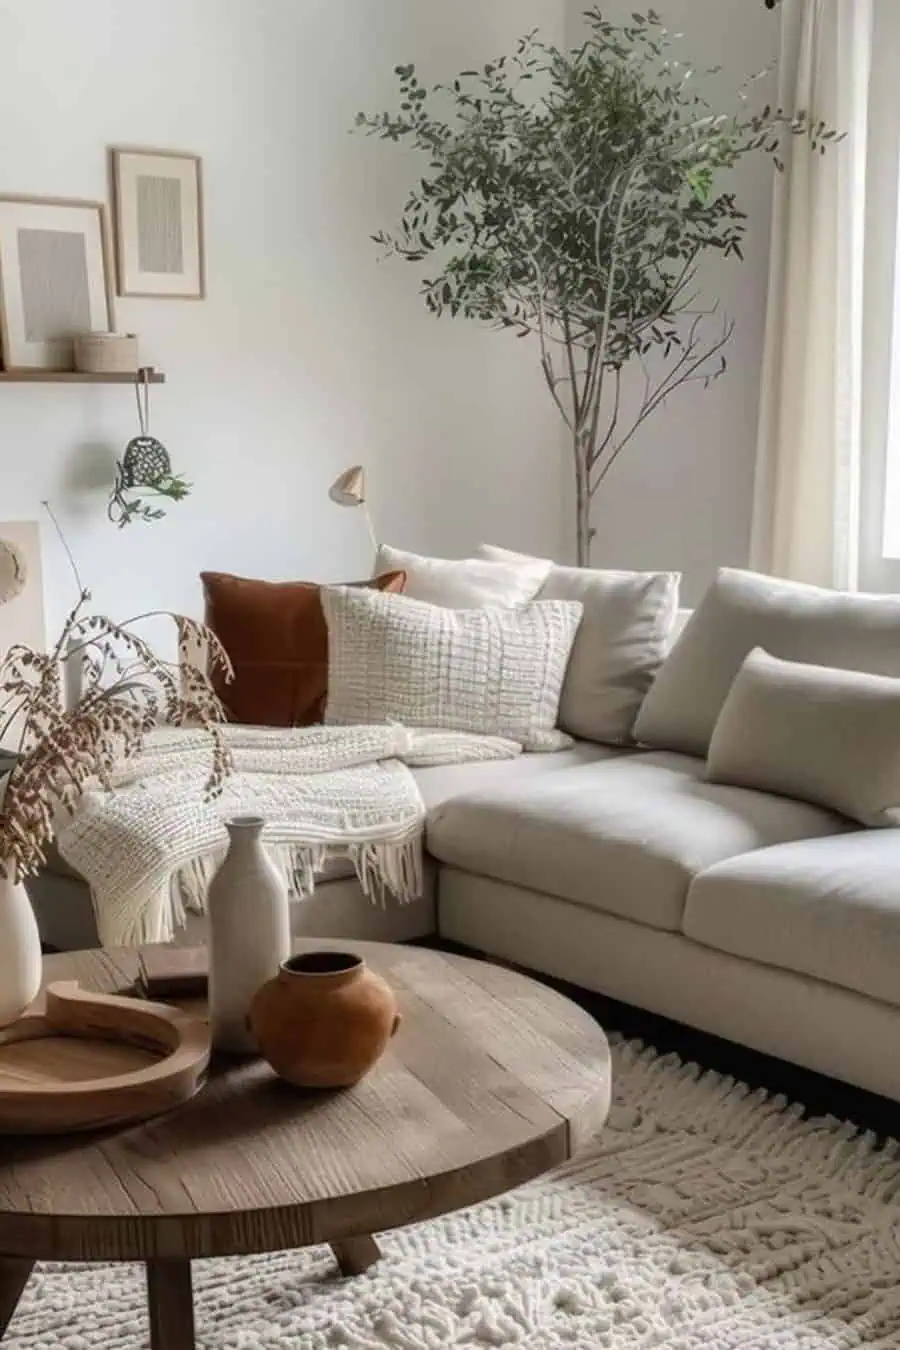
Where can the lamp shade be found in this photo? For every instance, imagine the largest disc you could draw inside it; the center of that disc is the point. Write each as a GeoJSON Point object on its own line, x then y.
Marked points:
{"type": "Point", "coordinates": [349, 489]}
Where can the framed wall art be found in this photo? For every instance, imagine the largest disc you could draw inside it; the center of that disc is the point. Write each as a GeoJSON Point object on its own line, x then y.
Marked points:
{"type": "Point", "coordinates": [55, 280]}
{"type": "Point", "coordinates": [158, 201]}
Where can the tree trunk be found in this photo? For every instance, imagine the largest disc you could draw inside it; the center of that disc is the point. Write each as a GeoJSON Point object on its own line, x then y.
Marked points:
{"type": "Point", "coordinates": [583, 530]}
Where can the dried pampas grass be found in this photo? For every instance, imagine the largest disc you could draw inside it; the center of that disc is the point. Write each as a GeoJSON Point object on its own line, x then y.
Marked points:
{"type": "Point", "coordinates": [125, 690]}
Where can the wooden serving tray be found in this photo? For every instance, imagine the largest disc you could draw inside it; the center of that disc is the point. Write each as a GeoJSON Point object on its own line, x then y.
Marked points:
{"type": "Point", "coordinates": [91, 1060]}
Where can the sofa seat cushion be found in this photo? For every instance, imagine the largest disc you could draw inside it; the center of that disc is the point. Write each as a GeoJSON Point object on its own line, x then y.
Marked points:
{"type": "Point", "coordinates": [440, 783]}
{"type": "Point", "coordinates": [829, 908]}
{"type": "Point", "coordinates": [626, 834]}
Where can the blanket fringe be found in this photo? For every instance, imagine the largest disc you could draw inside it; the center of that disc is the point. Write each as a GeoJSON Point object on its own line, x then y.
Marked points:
{"type": "Point", "coordinates": [392, 867]}
{"type": "Point", "coordinates": [385, 869]}
{"type": "Point", "coordinates": [150, 849]}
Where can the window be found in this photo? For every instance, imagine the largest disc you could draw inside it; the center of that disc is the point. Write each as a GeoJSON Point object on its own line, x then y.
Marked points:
{"type": "Point", "coordinates": [880, 450]}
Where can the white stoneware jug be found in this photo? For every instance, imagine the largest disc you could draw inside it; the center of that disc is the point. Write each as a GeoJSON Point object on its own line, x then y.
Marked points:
{"type": "Point", "coordinates": [249, 933]}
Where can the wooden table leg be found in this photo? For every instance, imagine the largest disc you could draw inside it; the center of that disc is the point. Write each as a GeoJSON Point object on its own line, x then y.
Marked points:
{"type": "Point", "coordinates": [171, 1304]}
{"type": "Point", "coordinates": [355, 1255]}
{"type": "Point", "coordinates": [14, 1275]}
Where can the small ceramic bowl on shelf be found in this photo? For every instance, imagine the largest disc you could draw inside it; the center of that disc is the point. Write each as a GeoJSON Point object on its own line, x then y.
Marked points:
{"type": "Point", "coordinates": [107, 353]}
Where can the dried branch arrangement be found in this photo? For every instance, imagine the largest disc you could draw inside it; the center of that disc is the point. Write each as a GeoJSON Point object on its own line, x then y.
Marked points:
{"type": "Point", "coordinates": [125, 689]}
{"type": "Point", "coordinates": [570, 196]}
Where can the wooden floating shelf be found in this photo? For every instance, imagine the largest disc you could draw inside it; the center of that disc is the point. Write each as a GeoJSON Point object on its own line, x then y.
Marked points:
{"type": "Point", "coordinates": [72, 377]}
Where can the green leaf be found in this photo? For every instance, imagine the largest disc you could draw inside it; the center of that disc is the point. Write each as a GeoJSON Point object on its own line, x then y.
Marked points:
{"type": "Point", "coordinates": [700, 181]}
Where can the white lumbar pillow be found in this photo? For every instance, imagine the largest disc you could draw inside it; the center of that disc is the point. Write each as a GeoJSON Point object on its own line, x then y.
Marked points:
{"type": "Point", "coordinates": [493, 671]}
{"type": "Point", "coordinates": [625, 633]}
{"type": "Point", "coordinates": [464, 583]}
{"type": "Point", "coordinates": [743, 610]}
{"type": "Point", "coordinates": [826, 736]}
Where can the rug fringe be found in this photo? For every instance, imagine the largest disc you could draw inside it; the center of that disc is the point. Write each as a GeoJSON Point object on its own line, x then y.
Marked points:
{"type": "Point", "coordinates": [679, 1094]}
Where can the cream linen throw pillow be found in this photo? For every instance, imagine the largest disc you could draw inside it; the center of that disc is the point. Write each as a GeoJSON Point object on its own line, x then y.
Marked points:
{"type": "Point", "coordinates": [625, 633]}
{"type": "Point", "coordinates": [826, 736]}
{"type": "Point", "coordinates": [491, 671]}
{"type": "Point", "coordinates": [464, 583]}
{"type": "Point", "coordinates": [741, 611]}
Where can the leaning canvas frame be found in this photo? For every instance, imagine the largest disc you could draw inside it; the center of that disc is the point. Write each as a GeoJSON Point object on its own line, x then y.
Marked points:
{"type": "Point", "coordinates": [55, 279]}
{"type": "Point", "coordinates": [22, 618]}
{"type": "Point", "coordinates": [158, 212]}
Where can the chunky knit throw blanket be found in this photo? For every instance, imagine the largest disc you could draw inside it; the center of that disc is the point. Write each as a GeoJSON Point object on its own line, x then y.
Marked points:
{"type": "Point", "coordinates": [150, 848]}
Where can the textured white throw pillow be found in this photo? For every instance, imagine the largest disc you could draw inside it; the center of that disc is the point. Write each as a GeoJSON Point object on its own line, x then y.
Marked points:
{"type": "Point", "coordinates": [826, 736]}
{"type": "Point", "coordinates": [625, 633]}
{"type": "Point", "coordinates": [743, 610]}
{"type": "Point", "coordinates": [464, 583]}
{"type": "Point", "coordinates": [493, 671]}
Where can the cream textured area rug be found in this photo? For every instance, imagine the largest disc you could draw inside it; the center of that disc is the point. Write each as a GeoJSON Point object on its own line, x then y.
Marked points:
{"type": "Point", "coordinates": [707, 1216]}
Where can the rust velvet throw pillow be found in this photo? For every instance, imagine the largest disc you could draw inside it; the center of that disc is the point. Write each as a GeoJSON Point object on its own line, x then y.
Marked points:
{"type": "Point", "coordinates": [276, 636]}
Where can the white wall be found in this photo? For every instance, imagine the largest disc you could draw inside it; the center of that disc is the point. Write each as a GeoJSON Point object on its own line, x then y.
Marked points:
{"type": "Point", "coordinates": [681, 493]}
{"type": "Point", "coordinates": [308, 354]}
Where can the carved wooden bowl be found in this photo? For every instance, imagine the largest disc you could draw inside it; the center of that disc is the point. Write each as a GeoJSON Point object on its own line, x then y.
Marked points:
{"type": "Point", "coordinates": [93, 1060]}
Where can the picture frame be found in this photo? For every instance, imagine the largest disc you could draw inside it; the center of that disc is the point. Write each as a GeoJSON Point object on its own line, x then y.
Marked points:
{"type": "Point", "coordinates": [55, 279]}
{"type": "Point", "coordinates": [159, 223]}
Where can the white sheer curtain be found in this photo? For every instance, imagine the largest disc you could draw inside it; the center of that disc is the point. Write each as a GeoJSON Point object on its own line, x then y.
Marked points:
{"type": "Point", "coordinates": [806, 522]}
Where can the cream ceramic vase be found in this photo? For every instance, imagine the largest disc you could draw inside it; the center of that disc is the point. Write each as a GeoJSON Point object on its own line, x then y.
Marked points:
{"type": "Point", "coordinates": [20, 952]}
{"type": "Point", "coordinates": [249, 933]}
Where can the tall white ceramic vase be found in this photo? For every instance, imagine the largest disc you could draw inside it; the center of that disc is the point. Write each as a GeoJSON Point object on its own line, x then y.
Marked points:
{"type": "Point", "coordinates": [249, 933]}
{"type": "Point", "coordinates": [20, 951]}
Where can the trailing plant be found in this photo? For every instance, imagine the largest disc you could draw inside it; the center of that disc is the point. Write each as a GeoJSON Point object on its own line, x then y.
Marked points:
{"type": "Point", "coordinates": [145, 469]}
{"type": "Point", "coordinates": [124, 508]}
{"type": "Point", "coordinates": [570, 195]}
{"type": "Point", "coordinates": [125, 690]}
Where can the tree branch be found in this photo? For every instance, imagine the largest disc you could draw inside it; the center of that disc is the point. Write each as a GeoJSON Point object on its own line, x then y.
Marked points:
{"type": "Point", "coordinates": [573, 383]}
{"type": "Point", "coordinates": [595, 453]}
{"type": "Point", "coordinates": [689, 369]}
{"type": "Point", "coordinates": [607, 315]}
{"type": "Point", "coordinates": [552, 382]}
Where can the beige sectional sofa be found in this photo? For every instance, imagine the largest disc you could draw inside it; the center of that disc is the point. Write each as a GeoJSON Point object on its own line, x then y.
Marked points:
{"type": "Point", "coordinates": [767, 920]}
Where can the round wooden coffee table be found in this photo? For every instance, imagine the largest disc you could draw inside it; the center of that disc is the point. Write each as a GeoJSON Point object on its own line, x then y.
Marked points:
{"type": "Point", "coordinates": [491, 1080]}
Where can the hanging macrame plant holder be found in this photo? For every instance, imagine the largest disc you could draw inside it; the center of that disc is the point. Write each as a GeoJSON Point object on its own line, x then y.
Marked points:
{"type": "Point", "coordinates": [144, 471]}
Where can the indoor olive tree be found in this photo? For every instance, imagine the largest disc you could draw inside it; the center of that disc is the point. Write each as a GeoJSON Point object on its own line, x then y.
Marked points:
{"type": "Point", "coordinates": [570, 195]}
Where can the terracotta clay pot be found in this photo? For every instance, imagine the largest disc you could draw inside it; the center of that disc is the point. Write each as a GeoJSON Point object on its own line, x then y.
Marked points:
{"type": "Point", "coordinates": [324, 1020]}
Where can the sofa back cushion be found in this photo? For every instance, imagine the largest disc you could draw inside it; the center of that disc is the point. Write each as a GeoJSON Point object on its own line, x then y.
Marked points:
{"type": "Point", "coordinates": [821, 735]}
{"type": "Point", "coordinates": [622, 641]}
{"type": "Point", "coordinates": [493, 671]}
{"type": "Point", "coordinates": [275, 634]}
{"type": "Point", "coordinates": [743, 610]}
{"type": "Point", "coordinates": [465, 583]}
